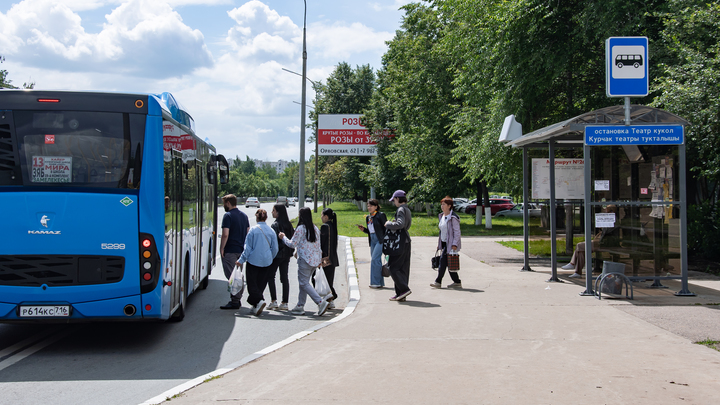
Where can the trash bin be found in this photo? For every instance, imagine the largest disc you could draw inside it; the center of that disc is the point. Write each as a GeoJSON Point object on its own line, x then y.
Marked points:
{"type": "Point", "coordinates": [613, 278]}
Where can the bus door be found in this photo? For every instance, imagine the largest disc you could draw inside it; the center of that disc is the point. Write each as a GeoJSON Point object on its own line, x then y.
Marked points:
{"type": "Point", "coordinates": [190, 222]}
{"type": "Point", "coordinates": [173, 228]}
{"type": "Point", "coordinates": [199, 223]}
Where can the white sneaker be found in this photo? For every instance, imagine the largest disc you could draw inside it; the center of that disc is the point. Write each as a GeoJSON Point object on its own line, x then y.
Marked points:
{"type": "Point", "coordinates": [272, 305]}
{"type": "Point", "coordinates": [331, 305]}
{"type": "Point", "coordinates": [575, 275]}
{"type": "Point", "coordinates": [257, 309]}
{"type": "Point", "coordinates": [298, 311]}
{"type": "Point", "coordinates": [322, 307]}
{"type": "Point", "coordinates": [329, 298]}
{"type": "Point", "coordinates": [283, 307]}
{"type": "Point", "coordinates": [568, 266]}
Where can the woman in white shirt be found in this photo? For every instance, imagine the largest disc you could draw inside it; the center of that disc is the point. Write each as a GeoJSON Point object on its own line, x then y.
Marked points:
{"type": "Point", "coordinates": [448, 241]}
{"type": "Point", "coordinates": [309, 254]}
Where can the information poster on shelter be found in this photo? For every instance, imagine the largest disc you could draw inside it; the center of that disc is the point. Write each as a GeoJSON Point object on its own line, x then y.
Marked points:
{"type": "Point", "coordinates": [569, 179]}
{"type": "Point", "coordinates": [605, 220]}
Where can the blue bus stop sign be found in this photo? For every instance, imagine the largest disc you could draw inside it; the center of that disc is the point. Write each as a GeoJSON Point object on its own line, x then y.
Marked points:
{"type": "Point", "coordinates": [627, 66]}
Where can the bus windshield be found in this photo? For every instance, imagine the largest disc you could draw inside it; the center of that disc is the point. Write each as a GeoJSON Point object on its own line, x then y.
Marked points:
{"type": "Point", "coordinates": [79, 148]}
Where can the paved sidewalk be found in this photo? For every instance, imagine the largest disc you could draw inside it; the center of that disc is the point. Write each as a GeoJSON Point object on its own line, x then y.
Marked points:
{"type": "Point", "coordinates": [507, 337]}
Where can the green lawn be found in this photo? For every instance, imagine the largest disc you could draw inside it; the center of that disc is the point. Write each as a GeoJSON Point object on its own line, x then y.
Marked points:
{"type": "Point", "coordinates": [542, 247]}
{"type": "Point", "coordinates": [348, 215]}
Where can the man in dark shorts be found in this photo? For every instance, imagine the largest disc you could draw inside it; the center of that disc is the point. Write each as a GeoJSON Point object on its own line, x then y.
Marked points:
{"type": "Point", "coordinates": [235, 226]}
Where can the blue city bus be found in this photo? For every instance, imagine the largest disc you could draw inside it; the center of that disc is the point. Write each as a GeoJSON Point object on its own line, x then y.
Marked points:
{"type": "Point", "coordinates": [109, 207]}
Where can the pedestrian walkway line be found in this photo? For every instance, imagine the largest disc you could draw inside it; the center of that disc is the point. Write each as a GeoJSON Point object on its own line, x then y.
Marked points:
{"type": "Point", "coordinates": [353, 299]}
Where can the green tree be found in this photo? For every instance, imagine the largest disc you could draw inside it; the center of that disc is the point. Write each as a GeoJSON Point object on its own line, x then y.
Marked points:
{"type": "Point", "coordinates": [690, 87]}
{"type": "Point", "coordinates": [540, 60]}
{"type": "Point", "coordinates": [414, 98]}
{"type": "Point", "coordinates": [347, 91]}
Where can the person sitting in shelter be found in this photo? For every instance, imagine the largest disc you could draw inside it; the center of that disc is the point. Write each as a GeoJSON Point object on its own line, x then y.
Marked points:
{"type": "Point", "coordinates": [607, 237]}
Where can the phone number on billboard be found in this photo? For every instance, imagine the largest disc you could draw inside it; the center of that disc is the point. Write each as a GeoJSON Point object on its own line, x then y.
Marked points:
{"type": "Point", "coordinates": [346, 150]}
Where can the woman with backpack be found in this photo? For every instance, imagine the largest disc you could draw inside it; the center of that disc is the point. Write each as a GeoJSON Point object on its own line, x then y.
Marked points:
{"type": "Point", "coordinates": [282, 259]}
{"type": "Point", "coordinates": [400, 263]}
{"type": "Point", "coordinates": [307, 242]}
{"type": "Point", "coordinates": [448, 242]}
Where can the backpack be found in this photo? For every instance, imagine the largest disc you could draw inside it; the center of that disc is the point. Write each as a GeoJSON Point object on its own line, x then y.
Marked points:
{"type": "Point", "coordinates": [394, 241]}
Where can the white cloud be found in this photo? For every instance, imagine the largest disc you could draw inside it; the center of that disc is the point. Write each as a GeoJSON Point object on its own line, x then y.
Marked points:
{"type": "Point", "coordinates": [240, 99]}
{"type": "Point", "coordinates": [261, 33]}
{"type": "Point", "coordinates": [393, 6]}
{"type": "Point", "coordinates": [141, 37]}
{"type": "Point", "coordinates": [84, 5]}
{"type": "Point", "coordinates": [342, 40]}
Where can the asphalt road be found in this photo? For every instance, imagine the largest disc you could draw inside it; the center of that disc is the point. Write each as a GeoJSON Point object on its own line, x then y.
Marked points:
{"type": "Point", "coordinates": [128, 363]}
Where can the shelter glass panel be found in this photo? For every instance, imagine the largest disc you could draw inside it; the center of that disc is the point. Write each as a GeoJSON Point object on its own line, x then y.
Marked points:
{"type": "Point", "coordinates": [643, 173]}
{"type": "Point", "coordinates": [646, 238]}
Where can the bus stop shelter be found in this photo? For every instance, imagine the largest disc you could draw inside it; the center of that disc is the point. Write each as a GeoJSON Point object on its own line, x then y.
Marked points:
{"type": "Point", "coordinates": [633, 180]}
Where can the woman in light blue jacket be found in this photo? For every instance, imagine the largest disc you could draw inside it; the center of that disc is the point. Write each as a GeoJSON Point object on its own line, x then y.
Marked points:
{"type": "Point", "coordinates": [448, 242]}
{"type": "Point", "coordinates": [261, 246]}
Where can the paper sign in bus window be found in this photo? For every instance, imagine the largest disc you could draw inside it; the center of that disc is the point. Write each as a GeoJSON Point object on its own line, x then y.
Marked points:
{"type": "Point", "coordinates": [52, 169]}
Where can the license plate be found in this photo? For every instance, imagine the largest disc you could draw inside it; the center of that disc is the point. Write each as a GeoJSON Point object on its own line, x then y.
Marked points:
{"type": "Point", "coordinates": [44, 311]}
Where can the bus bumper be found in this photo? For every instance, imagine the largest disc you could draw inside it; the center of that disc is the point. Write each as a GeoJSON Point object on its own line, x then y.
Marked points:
{"type": "Point", "coordinates": [125, 308]}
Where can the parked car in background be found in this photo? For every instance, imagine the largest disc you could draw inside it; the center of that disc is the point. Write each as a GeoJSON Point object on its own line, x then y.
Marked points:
{"type": "Point", "coordinates": [291, 201]}
{"type": "Point", "coordinates": [308, 199]}
{"type": "Point", "coordinates": [517, 211]}
{"type": "Point", "coordinates": [282, 200]}
{"type": "Point", "coordinates": [457, 201]}
{"type": "Point", "coordinates": [252, 202]}
{"type": "Point", "coordinates": [461, 207]}
{"type": "Point", "coordinates": [496, 204]}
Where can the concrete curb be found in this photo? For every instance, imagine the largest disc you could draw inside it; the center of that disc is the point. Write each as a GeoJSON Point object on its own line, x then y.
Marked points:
{"type": "Point", "coordinates": [353, 299]}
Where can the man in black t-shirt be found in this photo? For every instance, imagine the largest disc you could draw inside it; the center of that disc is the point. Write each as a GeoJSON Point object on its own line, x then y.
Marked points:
{"type": "Point", "coordinates": [235, 226]}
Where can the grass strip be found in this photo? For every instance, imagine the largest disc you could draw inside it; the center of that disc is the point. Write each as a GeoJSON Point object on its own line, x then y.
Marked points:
{"type": "Point", "coordinates": [348, 215]}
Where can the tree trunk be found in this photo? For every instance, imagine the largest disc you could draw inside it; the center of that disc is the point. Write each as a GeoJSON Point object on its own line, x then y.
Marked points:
{"type": "Point", "coordinates": [488, 213]}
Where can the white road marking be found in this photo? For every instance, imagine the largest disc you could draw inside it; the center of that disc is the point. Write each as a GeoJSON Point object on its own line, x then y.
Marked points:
{"type": "Point", "coordinates": [32, 349]}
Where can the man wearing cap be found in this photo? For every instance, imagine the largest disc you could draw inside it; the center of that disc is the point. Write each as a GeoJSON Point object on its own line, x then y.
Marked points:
{"type": "Point", "coordinates": [400, 264]}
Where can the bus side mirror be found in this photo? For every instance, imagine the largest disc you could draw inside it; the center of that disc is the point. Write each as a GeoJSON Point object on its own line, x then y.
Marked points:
{"type": "Point", "coordinates": [223, 169]}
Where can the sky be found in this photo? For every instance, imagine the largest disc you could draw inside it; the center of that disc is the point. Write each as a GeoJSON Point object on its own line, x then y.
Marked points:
{"type": "Point", "coordinates": [221, 59]}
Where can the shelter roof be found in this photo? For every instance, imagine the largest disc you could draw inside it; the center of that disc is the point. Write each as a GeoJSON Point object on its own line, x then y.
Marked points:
{"type": "Point", "coordinates": [572, 130]}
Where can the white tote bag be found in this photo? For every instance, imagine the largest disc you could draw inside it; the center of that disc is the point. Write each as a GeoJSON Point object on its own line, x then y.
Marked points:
{"type": "Point", "coordinates": [322, 287]}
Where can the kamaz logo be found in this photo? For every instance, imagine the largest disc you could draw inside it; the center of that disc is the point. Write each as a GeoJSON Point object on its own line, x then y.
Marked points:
{"type": "Point", "coordinates": [44, 232]}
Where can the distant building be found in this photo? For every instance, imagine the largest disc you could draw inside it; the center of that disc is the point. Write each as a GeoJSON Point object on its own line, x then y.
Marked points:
{"type": "Point", "coordinates": [279, 166]}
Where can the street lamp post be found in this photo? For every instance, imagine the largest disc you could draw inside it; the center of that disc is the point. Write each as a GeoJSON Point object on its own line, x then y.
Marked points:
{"type": "Point", "coordinates": [301, 191]}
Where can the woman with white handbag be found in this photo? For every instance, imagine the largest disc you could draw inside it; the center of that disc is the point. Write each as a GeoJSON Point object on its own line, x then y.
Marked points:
{"type": "Point", "coordinates": [449, 243]}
